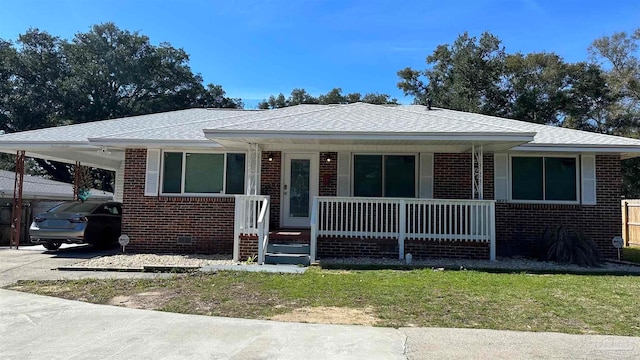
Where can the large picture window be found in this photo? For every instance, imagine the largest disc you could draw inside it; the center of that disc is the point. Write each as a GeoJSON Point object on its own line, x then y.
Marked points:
{"type": "Point", "coordinates": [384, 175]}
{"type": "Point", "coordinates": [544, 178]}
{"type": "Point", "coordinates": [203, 173]}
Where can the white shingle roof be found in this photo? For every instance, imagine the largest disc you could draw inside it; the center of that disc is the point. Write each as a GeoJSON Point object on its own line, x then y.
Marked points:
{"type": "Point", "coordinates": [188, 125]}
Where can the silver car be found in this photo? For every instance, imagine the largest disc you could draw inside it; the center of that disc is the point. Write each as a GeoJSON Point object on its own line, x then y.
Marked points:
{"type": "Point", "coordinates": [74, 222]}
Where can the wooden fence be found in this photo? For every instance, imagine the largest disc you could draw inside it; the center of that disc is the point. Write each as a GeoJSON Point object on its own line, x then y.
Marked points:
{"type": "Point", "coordinates": [631, 222]}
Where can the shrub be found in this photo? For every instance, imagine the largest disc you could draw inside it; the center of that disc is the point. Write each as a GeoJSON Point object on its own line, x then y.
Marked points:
{"type": "Point", "coordinates": [567, 245]}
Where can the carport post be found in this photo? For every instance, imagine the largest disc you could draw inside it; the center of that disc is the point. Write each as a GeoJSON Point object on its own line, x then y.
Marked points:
{"type": "Point", "coordinates": [16, 213]}
{"type": "Point", "coordinates": [76, 180]}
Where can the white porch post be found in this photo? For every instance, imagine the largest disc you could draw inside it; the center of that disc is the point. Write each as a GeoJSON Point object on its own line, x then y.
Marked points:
{"type": "Point", "coordinates": [402, 224]}
{"type": "Point", "coordinates": [313, 246]}
{"type": "Point", "coordinates": [253, 183]}
{"type": "Point", "coordinates": [492, 225]}
{"type": "Point", "coordinates": [476, 172]}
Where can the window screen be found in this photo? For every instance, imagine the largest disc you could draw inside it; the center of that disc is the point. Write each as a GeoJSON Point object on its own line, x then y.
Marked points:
{"type": "Point", "coordinates": [560, 179]}
{"type": "Point", "coordinates": [204, 173]}
{"type": "Point", "coordinates": [235, 173]}
{"type": "Point", "coordinates": [400, 176]}
{"type": "Point", "coordinates": [367, 175]}
{"type": "Point", "coordinates": [543, 178]}
{"type": "Point", "coordinates": [172, 173]}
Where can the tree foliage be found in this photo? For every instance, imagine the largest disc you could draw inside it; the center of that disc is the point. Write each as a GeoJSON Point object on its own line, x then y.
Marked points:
{"type": "Point", "coordinates": [478, 75]}
{"type": "Point", "coordinates": [335, 96]}
{"type": "Point", "coordinates": [101, 74]}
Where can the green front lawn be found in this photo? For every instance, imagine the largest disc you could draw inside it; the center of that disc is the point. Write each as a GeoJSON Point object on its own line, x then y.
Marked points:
{"type": "Point", "coordinates": [469, 299]}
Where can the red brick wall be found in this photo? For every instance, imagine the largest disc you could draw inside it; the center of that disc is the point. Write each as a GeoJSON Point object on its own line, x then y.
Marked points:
{"type": "Point", "coordinates": [248, 248]}
{"type": "Point", "coordinates": [421, 249]}
{"type": "Point", "coordinates": [328, 182]}
{"type": "Point", "coordinates": [352, 247]}
{"type": "Point", "coordinates": [452, 176]}
{"type": "Point", "coordinates": [270, 180]}
{"type": "Point", "coordinates": [154, 223]}
{"type": "Point", "coordinates": [519, 227]}
{"type": "Point", "coordinates": [388, 248]}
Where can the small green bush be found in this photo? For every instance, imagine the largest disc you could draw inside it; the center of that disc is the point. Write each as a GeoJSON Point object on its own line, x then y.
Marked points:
{"type": "Point", "coordinates": [566, 245]}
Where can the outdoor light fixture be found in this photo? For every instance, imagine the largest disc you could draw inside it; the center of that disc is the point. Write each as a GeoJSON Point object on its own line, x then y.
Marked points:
{"type": "Point", "coordinates": [328, 157]}
{"type": "Point", "coordinates": [270, 156]}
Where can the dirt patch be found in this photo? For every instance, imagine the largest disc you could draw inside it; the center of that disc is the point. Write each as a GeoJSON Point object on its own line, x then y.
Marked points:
{"type": "Point", "coordinates": [329, 315]}
{"type": "Point", "coordinates": [151, 300]}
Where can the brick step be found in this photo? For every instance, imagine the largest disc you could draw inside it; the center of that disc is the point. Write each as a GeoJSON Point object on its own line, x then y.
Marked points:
{"type": "Point", "coordinates": [288, 248]}
{"type": "Point", "coordinates": [289, 259]}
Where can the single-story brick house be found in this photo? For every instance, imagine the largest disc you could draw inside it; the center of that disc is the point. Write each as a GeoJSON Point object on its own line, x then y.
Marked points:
{"type": "Point", "coordinates": [365, 180]}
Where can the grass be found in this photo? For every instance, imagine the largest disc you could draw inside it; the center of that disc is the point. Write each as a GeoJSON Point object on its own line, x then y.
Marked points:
{"type": "Point", "coordinates": [581, 304]}
{"type": "Point", "coordinates": [632, 254]}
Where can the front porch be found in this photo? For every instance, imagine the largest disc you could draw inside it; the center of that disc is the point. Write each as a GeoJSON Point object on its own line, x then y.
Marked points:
{"type": "Point", "coordinates": [355, 226]}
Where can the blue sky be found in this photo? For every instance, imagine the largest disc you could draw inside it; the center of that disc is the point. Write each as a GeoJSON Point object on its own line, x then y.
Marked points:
{"type": "Point", "coordinates": [254, 48]}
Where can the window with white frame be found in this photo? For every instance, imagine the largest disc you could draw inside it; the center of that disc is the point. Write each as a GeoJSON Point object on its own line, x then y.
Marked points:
{"type": "Point", "coordinates": [203, 173]}
{"type": "Point", "coordinates": [384, 175]}
{"type": "Point", "coordinates": [544, 178]}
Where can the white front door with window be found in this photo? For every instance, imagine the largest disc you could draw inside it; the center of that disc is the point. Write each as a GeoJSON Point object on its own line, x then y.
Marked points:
{"type": "Point", "coordinates": [299, 186]}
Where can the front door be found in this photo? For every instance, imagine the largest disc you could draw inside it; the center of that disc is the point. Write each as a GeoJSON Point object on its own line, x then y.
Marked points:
{"type": "Point", "coordinates": [299, 186]}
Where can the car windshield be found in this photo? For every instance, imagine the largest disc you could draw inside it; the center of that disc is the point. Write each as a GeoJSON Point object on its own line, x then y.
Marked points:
{"type": "Point", "coordinates": [75, 207]}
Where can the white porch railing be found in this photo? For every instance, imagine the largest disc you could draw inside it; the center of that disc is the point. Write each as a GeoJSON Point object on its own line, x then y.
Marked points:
{"type": "Point", "coordinates": [263, 230]}
{"type": "Point", "coordinates": [449, 220]}
{"type": "Point", "coordinates": [248, 209]}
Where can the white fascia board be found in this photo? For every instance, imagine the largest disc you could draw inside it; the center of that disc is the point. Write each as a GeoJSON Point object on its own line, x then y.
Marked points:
{"type": "Point", "coordinates": [357, 135]}
{"type": "Point", "coordinates": [51, 145]}
{"type": "Point", "coordinates": [153, 144]}
{"type": "Point", "coordinates": [617, 149]}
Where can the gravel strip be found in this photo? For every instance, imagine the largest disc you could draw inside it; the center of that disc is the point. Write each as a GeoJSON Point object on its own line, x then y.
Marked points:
{"type": "Point", "coordinates": [500, 263]}
{"type": "Point", "coordinates": [125, 261]}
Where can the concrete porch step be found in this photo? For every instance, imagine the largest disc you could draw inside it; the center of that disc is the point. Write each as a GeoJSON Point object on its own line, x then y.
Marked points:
{"type": "Point", "coordinates": [288, 248]}
{"type": "Point", "coordinates": [289, 259]}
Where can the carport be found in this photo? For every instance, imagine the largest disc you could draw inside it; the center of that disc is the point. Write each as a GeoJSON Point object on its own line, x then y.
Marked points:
{"type": "Point", "coordinates": [68, 144]}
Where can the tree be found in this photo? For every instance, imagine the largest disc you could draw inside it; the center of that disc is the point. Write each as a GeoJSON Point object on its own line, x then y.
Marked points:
{"type": "Point", "coordinates": [619, 55]}
{"type": "Point", "coordinates": [464, 76]}
{"type": "Point", "coordinates": [300, 96]}
{"type": "Point", "coordinates": [101, 74]}
{"type": "Point", "coordinates": [32, 76]}
{"type": "Point", "coordinates": [116, 73]}
{"type": "Point", "coordinates": [534, 87]}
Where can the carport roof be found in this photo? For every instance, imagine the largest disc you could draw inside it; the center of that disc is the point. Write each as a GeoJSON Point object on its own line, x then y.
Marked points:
{"type": "Point", "coordinates": [35, 187]}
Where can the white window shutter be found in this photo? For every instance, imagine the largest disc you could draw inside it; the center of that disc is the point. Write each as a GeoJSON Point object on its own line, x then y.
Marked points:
{"type": "Point", "coordinates": [501, 177]}
{"type": "Point", "coordinates": [426, 175]}
{"type": "Point", "coordinates": [344, 173]}
{"type": "Point", "coordinates": [588, 176]}
{"type": "Point", "coordinates": [119, 183]}
{"type": "Point", "coordinates": [152, 178]}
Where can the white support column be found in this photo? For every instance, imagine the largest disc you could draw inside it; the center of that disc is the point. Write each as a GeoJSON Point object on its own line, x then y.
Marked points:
{"type": "Point", "coordinates": [477, 171]}
{"type": "Point", "coordinates": [253, 162]}
{"type": "Point", "coordinates": [402, 225]}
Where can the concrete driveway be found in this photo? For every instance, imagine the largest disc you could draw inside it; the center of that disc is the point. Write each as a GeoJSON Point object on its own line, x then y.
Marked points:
{"type": "Point", "coordinates": [39, 327]}
{"type": "Point", "coordinates": [36, 263]}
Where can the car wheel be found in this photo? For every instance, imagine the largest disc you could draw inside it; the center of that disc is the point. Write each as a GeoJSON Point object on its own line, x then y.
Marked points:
{"type": "Point", "coordinates": [52, 245]}
{"type": "Point", "coordinates": [107, 240]}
